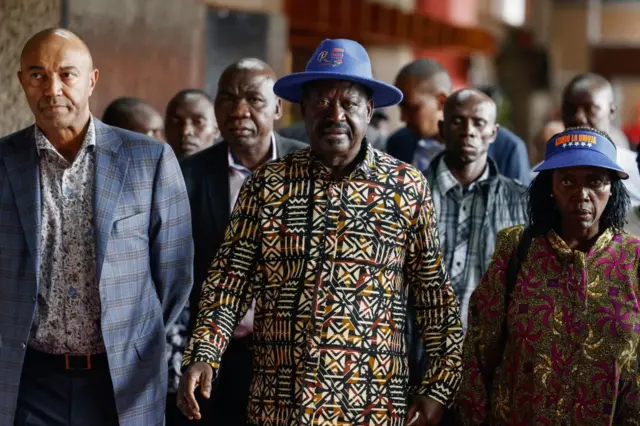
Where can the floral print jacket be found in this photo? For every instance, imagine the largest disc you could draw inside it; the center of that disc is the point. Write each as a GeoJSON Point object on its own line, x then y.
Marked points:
{"type": "Point", "coordinates": [572, 353]}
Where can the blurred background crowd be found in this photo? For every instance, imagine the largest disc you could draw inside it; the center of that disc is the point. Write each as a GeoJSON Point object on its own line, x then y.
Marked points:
{"type": "Point", "coordinates": [523, 52]}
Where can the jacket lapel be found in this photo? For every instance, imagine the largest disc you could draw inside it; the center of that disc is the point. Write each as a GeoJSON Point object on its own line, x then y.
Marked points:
{"type": "Point", "coordinates": [23, 171]}
{"type": "Point", "coordinates": [111, 172]}
{"type": "Point", "coordinates": [217, 186]}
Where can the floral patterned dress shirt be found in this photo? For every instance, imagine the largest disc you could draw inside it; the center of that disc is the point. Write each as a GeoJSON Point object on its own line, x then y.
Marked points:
{"type": "Point", "coordinates": [330, 264]}
{"type": "Point", "coordinates": [572, 357]}
{"type": "Point", "coordinates": [67, 319]}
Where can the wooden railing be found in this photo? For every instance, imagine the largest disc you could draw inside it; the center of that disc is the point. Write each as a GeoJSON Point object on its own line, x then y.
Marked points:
{"type": "Point", "coordinates": [310, 21]}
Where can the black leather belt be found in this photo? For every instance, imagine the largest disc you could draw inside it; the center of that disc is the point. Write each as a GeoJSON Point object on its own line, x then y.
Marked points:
{"type": "Point", "coordinates": [67, 362]}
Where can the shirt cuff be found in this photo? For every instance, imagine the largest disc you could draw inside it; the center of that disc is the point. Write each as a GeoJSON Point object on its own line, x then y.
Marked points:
{"type": "Point", "coordinates": [441, 389]}
{"type": "Point", "coordinates": [202, 351]}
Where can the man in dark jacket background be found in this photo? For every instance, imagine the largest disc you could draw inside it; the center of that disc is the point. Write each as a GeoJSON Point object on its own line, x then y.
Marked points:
{"type": "Point", "coordinates": [246, 109]}
{"type": "Point", "coordinates": [426, 85]}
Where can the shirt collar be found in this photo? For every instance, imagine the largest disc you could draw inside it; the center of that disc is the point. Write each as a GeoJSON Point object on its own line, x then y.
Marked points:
{"type": "Point", "coordinates": [429, 142]}
{"type": "Point", "coordinates": [239, 167]}
{"type": "Point", "coordinates": [362, 170]}
{"type": "Point", "coordinates": [561, 247]}
{"type": "Point", "coordinates": [447, 181]}
{"type": "Point", "coordinates": [42, 143]}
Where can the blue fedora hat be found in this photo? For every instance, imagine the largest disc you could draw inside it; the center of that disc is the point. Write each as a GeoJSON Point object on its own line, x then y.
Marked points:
{"type": "Point", "coordinates": [339, 59]}
{"type": "Point", "coordinates": [581, 147]}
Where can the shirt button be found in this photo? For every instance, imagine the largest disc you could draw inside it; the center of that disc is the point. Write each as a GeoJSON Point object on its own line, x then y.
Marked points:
{"type": "Point", "coordinates": [458, 263]}
{"type": "Point", "coordinates": [33, 299]}
{"type": "Point", "coordinates": [24, 345]}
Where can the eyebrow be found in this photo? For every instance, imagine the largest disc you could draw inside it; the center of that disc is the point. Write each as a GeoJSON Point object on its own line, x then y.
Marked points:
{"type": "Point", "coordinates": [40, 67]}
{"type": "Point", "coordinates": [254, 93]}
{"type": "Point", "coordinates": [70, 68]}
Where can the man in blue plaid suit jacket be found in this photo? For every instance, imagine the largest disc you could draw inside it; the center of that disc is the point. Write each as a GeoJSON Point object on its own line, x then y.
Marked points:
{"type": "Point", "coordinates": [82, 326]}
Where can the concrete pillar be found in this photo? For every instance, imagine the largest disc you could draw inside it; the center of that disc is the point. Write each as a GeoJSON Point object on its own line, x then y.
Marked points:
{"type": "Point", "coordinates": [145, 48]}
{"type": "Point", "coordinates": [237, 34]}
{"type": "Point", "coordinates": [19, 20]}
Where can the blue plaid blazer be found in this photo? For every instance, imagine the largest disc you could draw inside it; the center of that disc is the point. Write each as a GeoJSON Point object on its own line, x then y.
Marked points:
{"type": "Point", "coordinates": [144, 260]}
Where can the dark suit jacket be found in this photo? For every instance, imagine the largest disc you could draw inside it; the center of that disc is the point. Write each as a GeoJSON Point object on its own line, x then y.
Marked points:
{"type": "Point", "coordinates": [207, 178]}
{"type": "Point", "coordinates": [508, 151]}
{"type": "Point", "coordinates": [206, 175]}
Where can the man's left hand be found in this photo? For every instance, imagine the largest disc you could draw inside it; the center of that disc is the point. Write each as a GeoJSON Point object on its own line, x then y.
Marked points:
{"type": "Point", "coordinates": [429, 412]}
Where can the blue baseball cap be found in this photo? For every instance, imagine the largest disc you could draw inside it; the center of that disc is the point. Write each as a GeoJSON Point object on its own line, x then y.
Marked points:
{"type": "Point", "coordinates": [581, 147]}
{"type": "Point", "coordinates": [339, 59]}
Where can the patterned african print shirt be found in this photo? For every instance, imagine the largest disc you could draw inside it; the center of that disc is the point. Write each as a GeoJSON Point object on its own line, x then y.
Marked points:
{"type": "Point", "coordinates": [67, 318]}
{"type": "Point", "coordinates": [572, 356]}
{"type": "Point", "coordinates": [330, 264]}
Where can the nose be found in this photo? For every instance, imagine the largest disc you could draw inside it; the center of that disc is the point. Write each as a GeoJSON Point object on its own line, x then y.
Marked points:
{"type": "Point", "coordinates": [187, 128]}
{"type": "Point", "coordinates": [468, 128]}
{"type": "Point", "coordinates": [53, 86]}
{"type": "Point", "coordinates": [336, 113]}
{"type": "Point", "coordinates": [583, 193]}
{"type": "Point", "coordinates": [240, 109]}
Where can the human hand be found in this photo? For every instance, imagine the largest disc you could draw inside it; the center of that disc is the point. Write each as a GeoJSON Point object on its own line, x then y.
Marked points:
{"type": "Point", "coordinates": [198, 374]}
{"type": "Point", "coordinates": [425, 411]}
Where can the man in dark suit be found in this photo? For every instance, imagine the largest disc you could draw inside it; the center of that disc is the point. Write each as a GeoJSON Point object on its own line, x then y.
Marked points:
{"type": "Point", "coordinates": [246, 109]}
{"type": "Point", "coordinates": [96, 255]}
{"type": "Point", "coordinates": [426, 85]}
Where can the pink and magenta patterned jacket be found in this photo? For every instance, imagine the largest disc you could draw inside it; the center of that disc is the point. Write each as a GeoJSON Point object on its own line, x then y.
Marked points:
{"type": "Point", "coordinates": [572, 355]}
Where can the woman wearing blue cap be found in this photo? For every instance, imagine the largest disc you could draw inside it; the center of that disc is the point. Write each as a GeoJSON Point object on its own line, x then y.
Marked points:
{"type": "Point", "coordinates": [554, 326]}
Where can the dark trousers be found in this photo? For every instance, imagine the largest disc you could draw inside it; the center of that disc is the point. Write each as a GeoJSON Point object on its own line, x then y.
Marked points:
{"type": "Point", "coordinates": [52, 396]}
{"type": "Point", "coordinates": [230, 395]}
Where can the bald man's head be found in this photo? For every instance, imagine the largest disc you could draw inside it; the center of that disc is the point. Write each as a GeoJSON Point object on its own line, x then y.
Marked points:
{"type": "Point", "coordinates": [469, 127]}
{"type": "Point", "coordinates": [246, 107]}
{"type": "Point", "coordinates": [58, 78]}
{"type": "Point", "coordinates": [425, 84]}
{"type": "Point", "coordinates": [250, 65]}
{"type": "Point", "coordinates": [136, 115]}
{"type": "Point", "coordinates": [51, 35]}
{"type": "Point", "coordinates": [588, 101]}
{"type": "Point", "coordinates": [470, 97]}
{"type": "Point", "coordinates": [430, 73]}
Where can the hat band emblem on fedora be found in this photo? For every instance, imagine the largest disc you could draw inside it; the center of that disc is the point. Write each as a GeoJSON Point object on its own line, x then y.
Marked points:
{"type": "Point", "coordinates": [334, 60]}
{"type": "Point", "coordinates": [576, 140]}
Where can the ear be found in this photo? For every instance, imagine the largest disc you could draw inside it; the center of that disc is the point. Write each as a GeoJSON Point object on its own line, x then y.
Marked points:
{"type": "Point", "coordinates": [93, 79]}
{"type": "Point", "coordinates": [278, 112]}
{"type": "Point", "coordinates": [369, 110]}
{"type": "Point", "coordinates": [441, 129]}
{"type": "Point", "coordinates": [19, 74]}
{"type": "Point", "coordinates": [441, 98]}
{"type": "Point", "coordinates": [612, 110]}
{"type": "Point", "coordinates": [494, 134]}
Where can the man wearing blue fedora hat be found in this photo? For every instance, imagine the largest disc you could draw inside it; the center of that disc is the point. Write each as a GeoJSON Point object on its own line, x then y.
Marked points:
{"type": "Point", "coordinates": [329, 241]}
